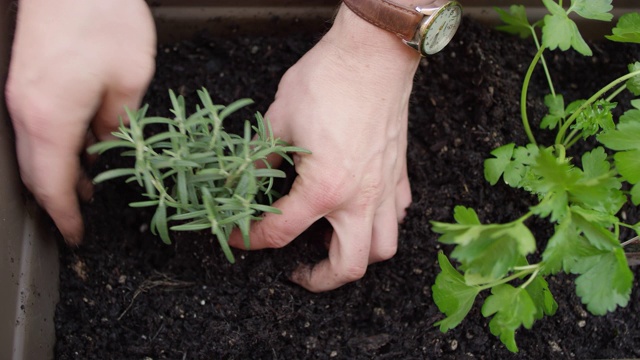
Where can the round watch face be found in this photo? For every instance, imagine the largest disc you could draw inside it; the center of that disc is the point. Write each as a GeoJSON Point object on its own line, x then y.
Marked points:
{"type": "Point", "coordinates": [439, 28]}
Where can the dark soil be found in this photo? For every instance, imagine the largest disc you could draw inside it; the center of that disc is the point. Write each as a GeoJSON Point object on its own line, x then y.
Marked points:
{"type": "Point", "coordinates": [126, 295]}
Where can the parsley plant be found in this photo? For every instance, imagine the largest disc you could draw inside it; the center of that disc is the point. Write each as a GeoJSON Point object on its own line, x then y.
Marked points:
{"type": "Point", "coordinates": [581, 202]}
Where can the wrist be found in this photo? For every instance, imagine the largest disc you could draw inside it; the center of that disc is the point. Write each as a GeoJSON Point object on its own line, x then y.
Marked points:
{"type": "Point", "coordinates": [356, 36]}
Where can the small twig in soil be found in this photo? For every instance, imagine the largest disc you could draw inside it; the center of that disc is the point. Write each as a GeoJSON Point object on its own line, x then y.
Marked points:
{"type": "Point", "coordinates": [633, 257]}
{"type": "Point", "coordinates": [635, 240]}
{"type": "Point", "coordinates": [163, 281]}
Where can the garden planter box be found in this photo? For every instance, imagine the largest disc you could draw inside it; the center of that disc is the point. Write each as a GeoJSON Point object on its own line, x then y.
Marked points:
{"type": "Point", "coordinates": [29, 259]}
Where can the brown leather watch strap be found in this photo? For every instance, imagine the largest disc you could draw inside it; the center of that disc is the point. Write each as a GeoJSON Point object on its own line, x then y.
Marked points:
{"type": "Point", "coordinates": [387, 15]}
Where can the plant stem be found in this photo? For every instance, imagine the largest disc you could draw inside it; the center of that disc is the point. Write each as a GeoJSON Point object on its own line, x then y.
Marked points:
{"type": "Point", "coordinates": [616, 92]}
{"type": "Point", "coordinates": [543, 62]}
{"type": "Point", "coordinates": [506, 279]}
{"type": "Point", "coordinates": [530, 279]}
{"type": "Point", "coordinates": [560, 137]}
{"type": "Point", "coordinates": [523, 96]}
{"type": "Point", "coordinates": [526, 267]}
{"type": "Point", "coordinates": [571, 139]}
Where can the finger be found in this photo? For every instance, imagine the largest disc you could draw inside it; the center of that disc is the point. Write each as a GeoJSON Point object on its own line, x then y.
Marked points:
{"type": "Point", "coordinates": [119, 96]}
{"type": "Point", "coordinates": [277, 230]}
{"type": "Point", "coordinates": [51, 173]}
{"type": "Point", "coordinates": [347, 261]}
{"type": "Point", "coordinates": [403, 195]}
{"type": "Point", "coordinates": [384, 239]}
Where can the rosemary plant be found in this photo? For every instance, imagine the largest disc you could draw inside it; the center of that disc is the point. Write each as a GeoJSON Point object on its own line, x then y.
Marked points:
{"type": "Point", "coordinates": [195, 174]}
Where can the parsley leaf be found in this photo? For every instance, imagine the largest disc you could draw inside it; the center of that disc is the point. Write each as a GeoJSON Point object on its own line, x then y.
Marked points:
{"type": "Point", "coordinates": [539, 291]}
{"type": "Point", "coordinates": [592, 9]}
{"type": "Point", "coordinates": [511, 308]}
{"type": "Point", "coordinates": [452, 295]}
{"type": "Point", "coordinates": [595, 117]}
{"type": "Point", "coordinates": [563, 249]}
{"type": "Point", "coordinates": [516, 21]}
{"type": "Point", "coordinates": [510, 162]}
{"type": "Point", "coordinates": [556, 111]}
{"type": "Point", "coordinates": [486, 252]}
{"type": "Point", "coordinates": [627, 29]}
{"type": "Point", "coordinates": [495, 167]}
{"type": "Point", "coordinates": [633, 84]}
{"type": "Point", "coordinates": [559, 31]}
{"type": "Point", "coordinates": [624, 140]}
{"type": "Point", "coordinates": [605, 281]}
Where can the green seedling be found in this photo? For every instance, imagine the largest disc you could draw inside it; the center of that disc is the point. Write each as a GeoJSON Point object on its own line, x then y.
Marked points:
{"type": "Point", "coordinates": [582, 202]}
{"type": "Point", "coordinates": [195, 174]}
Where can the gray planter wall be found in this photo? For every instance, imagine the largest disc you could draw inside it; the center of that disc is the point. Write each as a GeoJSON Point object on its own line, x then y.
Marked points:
{"type": "Point", "coordinates": [28, 258]}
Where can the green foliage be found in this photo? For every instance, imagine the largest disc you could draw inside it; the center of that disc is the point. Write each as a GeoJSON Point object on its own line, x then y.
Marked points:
{"type": "Point", "coordinates": [195, 174]}
{"type": "Point", "coordinates": [581, 200]}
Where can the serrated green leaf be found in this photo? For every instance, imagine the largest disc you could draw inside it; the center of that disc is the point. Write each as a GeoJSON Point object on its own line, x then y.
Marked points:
{"type": "Point", "coordinates": [594, 118]}
{"type": "Point", "coordinates": [466, 216]}
{"type": "Point", "coordinates": [516, 21]}
{"type": "Point", "coordinates": [554, 8]}
{"type": "Point", "coordinates": [627, 29]}
{"type": "Point", "coordinates": [593, 9]}
{"type": "Point", "coordinates": [633, 84]}
{"type": "Point", "coordinates": [495, 167]}
{"type": "Point", "coordinates": [518, 173]}
{"type": "Point", "coordinates": [595, 164]}
{"type": "Point", "coordinates": [455, 233]}
{"type": "Point", "coordinates": [599, 187]}
{"type": "Point", "coordinates": [595, 217]}
{"type": "Point", "coordinates": [494, 251]}
{"type": "Point", "coordinates": [543, 300]}
{"type": "Point", "coordinates": [556, 114]}
{"type": "Point", "coordinates": [559, 31]}
{"type": "Point", "coordinates": [628, 165]}
{"type": "Point", "coordinates": [563, 248]}
{"type": "Point", "coordinates": [511, 308]}
{"type": "Point", "coordinates": [605, 281]}
{"type": "Point", "coordinates": [452, 295]}
{"type": "Point", "coordinates": [626, 135]}
{"type": "Point", "coordinates": [599, 236]}
{"type": "Point", "coordinates": [554, 204]}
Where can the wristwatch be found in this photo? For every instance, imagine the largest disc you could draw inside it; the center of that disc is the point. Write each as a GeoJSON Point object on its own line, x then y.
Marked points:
{"type": "Point", "coordinates": [427, 28]}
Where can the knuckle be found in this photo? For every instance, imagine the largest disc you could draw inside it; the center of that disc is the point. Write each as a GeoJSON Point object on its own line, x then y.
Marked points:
{"type": "Point", "coordinates": [384, 253]}
{"type": "Point", "coordinates": [270, 238]}
{"type": "Point", "coordinates": [328, 194]}
{"type": "Point", "coordinates": [353, 272]}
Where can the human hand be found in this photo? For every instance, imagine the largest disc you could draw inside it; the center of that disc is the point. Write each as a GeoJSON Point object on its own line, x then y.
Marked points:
{"type": "Point", "coordinates": [346, 100]}
{"type": "Point", "coordinates": [75, 65]}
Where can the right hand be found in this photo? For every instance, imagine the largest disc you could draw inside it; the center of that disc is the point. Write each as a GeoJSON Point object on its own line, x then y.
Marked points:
{"type": "Point", "coordinates": [75, 65]}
